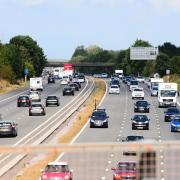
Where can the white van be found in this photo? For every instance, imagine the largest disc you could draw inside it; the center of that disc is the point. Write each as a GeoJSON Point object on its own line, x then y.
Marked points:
{"type": "Point", "coordinates": [133, 85]}
{"type": "Point", "coordinates": [167, 94]}
{"type": "Point", "coordinates": [36, 84]}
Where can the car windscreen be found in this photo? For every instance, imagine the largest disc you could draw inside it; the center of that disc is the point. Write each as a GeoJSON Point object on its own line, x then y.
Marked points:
{"type": "Point", "coordinates": [56, 168]}
{"type": "Point", "coordinates": [141, 118]}
{"type": "Point", "coordinates": [134, 82]}
{"type": "Point", "coordinates": [134, 138]}
{"type": "Point", "coordinates": [36, 105]}
{"type": "Point", "coordinates": [177, 119]}
{"type": "Point", "coordinates": [141, 103]}
{"type": "Point", "coordinates": [51, 97]}
{"type": "Point", "coordinates": [100, 115]}
{"type": "Point", "coordinates": [173, 110]}
{"type": "Point", "coordinates": [23, 98]}
{"type": "Point", "coordinates": [139, 90]}
{"type": "Point", "coordinates": [3, 124]}
{"type": "Point", "coordinates": [168, 93]}
{"type": "Point", "coordinates": [155, 88]}
{"type": "Point", "coordinates": [115, 87]}
{"type": "Point", "coordinates": [126, 166]}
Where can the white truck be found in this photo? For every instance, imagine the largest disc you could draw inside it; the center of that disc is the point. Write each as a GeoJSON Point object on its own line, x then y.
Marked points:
{"type": "Point", "coordinates": [119, 72]}
{"type": "Point", "coordinates": [36, 84]}
{"type": "Point", "coordinates": [167, 94]}
{"type": "Point", "coordinates": [154, 82]}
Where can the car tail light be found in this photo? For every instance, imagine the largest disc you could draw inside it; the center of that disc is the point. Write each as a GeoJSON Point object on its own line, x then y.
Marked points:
{"type": "Point", "coordinates": [44, 177]}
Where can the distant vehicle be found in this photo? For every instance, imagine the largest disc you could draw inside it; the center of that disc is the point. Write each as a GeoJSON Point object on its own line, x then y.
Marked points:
{"type": "Point", "coordinates": [114, 89]}
{"type": "Point", "coordinates": [132, 138]}
{"type": "Point", "coordinates": [51, 79]}
{"type": "Point", "coordinates": [81, 78]}
{"type": "Point", "coordinates": [126, 78]}
{"type": "Point", "coordinates": [175, 124]}
{"type": "Point", "coordinates": [37, 109]}
{"type": "Point", "coordinates": [167, 94]}
{"type": "Point", "coordinates": [140, 122]}
{"type": "Point", "coordinates": [133, 85]}
{"type": "Point", "coordinates": [154, 82]}
{"type": "Point", "coordinates": [119, 72]}
{"type": "Point", "coordinates": [170, 113]}
{"type": "Point", "coordinates": [78, 83]}
{"type": "Point", "coordinates": [8, 128]}
{"type": "Point", "coordinates": [36, 84]}
{"type": "Point", "coordinates": [140, 79]}
{"type": "Point", "coordinates": [99, 118]}
{"type": "Point", "coordinates": [125, 170]}
{"type": "Point", "coordinates": [74, 86]}
{"type": "Point", "coordinates": [115, 82]}
{"type": "Point", "coordinates": [52, 100]}
{"type": "Point", "coordinates": [34, 96]}
{"type": "Point", "coordinates": [57, 72]}
{"type": "Point", "coordinates": [57, 170]}
{"type": "Point", "coordinates": [65, 80]}
{"type": "Point", "coordinates": [67, 90]}
{"type": "Point", "coordinates": [137, 93]}
{"type": "Point", "coordinates": [23, 100]}
{"type": "Point", "coordinates": [97, 76]}
{"type": "Point", "coordinates": [104, 75]}
{"type": "Point", "coordinates": [141, 106]}
{"type": "Point", "coordinates": [154, 90]}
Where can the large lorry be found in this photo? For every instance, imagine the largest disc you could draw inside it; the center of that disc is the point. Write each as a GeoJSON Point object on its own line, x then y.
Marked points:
{"type": "Point", "coordinates": [119, 72]}
{"type": "Point", "coordinates": [58, 72]}
{"type": "Point", "coordinates": [154, 82]}
{"type": "Point", "coordinates": [167, 94]}
{"type": "Point", "coordinates": [36, 84]}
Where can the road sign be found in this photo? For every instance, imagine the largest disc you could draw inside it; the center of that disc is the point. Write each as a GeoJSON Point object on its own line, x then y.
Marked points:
{"type": "Point", "coordinates": [143, 53]}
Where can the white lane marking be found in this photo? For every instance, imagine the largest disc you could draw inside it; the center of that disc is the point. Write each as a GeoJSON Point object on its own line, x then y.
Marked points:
{"type": "Point", "coordinates": [76, 137]}
{"type": "Point", "coordinates": [13, 96]}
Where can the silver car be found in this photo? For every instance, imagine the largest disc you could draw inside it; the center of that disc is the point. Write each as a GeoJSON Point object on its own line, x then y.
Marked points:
{"type": "Point", "coordinates": [37, 109]}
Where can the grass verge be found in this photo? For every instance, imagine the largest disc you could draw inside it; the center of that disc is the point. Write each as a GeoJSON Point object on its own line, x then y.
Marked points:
{"type": "Point", "coordinates": [33, 172]}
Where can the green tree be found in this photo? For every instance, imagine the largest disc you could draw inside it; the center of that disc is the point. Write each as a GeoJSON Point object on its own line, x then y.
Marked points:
{"type": "Point", "coordinates": [79, 51]}
{"type": "Point", "coordinates": [175, 65]}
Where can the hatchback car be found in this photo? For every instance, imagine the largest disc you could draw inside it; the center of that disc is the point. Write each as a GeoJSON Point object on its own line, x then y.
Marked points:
{"type": "Point", "coordinates": [8, 128]}
{"type": "Point", "coordinates": [51, 79]}
{"type": "Point", "coordinates": [99, 118]}
{"type": "Point", "coordinates": [140, 122]}
{"type": "Point", "coordinates": [170, 113]}
{"type": "Point", "coordinates": [52, 100]}
{"type": "Point", "coordinates": [137, 93]}
{"type": "Point", "coordinates": [175, 124]}
{"type": "Point", "coordinates": [125, 170]}
{"type": "Point", "coordinates": [57, 170]}
{"type": "Point", "coordinates": [67, 90]}
{"type": "Point", "coordinates": [34, 96]}
{"type": "Point", "coordinates": [37, 109]}
{"type": "Point", "coordinates": [78, 83]}
{"type": "Point", "coordinates": [74, 86]}
{"type": "Point", "coordinates": [23, 100]}
{"type": "Point", "coordinates": [114, 89]}
{"type": "Point", "coordinates": [141, 106]}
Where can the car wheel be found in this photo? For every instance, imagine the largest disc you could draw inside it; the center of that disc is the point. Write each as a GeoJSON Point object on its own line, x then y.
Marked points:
{"type": "Point", "coordinates": [18, 105]}
{"type": "Point", "coordinates": [63, 94]}
{"type": "Point", "coordinates": [147, 128]}
{"type": "Point", "coordinates": [57, 104]}
{"type": "Point", "coordinates": [106, 125]}
{"type": "Point", "coordinates": [30, 114]}
{"type": "Point", "coordinates": [72, 94]}
{"type": "Point", "coordinates": [132, 97]}
{"type": "Point", "coordinates": [172, 130]}
{"type": "Point", "coordinates": [46, 105]}
{"type": "Point", "coordinates": [133, 127]}
{"type": "Point", "coordinates": [91, 125]}
{"type": "Point", "coordinates": [147, 111]}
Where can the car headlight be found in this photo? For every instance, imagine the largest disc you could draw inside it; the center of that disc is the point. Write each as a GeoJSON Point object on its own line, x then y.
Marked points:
{"type": "Point", "coordinates": [105, 121]}
{"type": "Point", "coordinates": [172, 124]}
{"type": "Point", "coordinates": [135, 106]}
{"type": "Point", "coordinates": [134, 121]}
{"type": "Point", "coordinates": [146, 122]}
{"type": "Point", "coordinates": [44, 177]}
{"type": "Point", "coordinates": [91, 120]}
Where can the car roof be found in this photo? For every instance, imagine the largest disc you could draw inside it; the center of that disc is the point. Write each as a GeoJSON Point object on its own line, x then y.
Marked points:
{"type": "Point", "coordinates": [141, 101]}
{"type": "Point", "coordinates": [6, 121]}
{"type": "Point", "coordinates": [57, 163]}
{"type": "Point", "coordinates": [25, 95]}
{"type": "Point", "coordinates": [36, 103]}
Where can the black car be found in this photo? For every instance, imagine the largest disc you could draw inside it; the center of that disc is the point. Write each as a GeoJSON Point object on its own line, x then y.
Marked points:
{"type": "Point", "coordinates": [141, 106]}
{"type": "Point", "coordinates": [99, 118]}
{"type": "Point", "coordinates": [51, 79]}
{"type": "Point", "coordinates": [68, 91]}
{"type": "Point", "coordinates": [140, 122]}
{"type": "Point", "coordinates": [170, 113]}
{"type": "Point", "coordinates": [8, 128]}
{"type": "Point", "coordinates": [23, 100]}
{"type": "Point", "coordinates": [52, 100]}
{"type": "Point", "coordinates": [78, 83]}
{"type": "Point", "coordinates": [74, 86]}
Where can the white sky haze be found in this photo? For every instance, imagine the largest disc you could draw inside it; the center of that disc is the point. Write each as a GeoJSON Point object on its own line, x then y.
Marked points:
{"type": "Point", "coordinates": [59, 26]}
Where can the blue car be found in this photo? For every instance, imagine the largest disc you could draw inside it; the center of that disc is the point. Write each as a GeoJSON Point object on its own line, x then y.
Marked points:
{"type": "Point", "coordinates": [175, 124]}
{"type": "Point", "coordinates": [170, 113]}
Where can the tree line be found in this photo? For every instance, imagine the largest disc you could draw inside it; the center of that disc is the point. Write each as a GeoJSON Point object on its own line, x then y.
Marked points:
{"type": "Point", "coordinates": [22, 52]}
{"type": "Point", "coordinates": [168, 58]}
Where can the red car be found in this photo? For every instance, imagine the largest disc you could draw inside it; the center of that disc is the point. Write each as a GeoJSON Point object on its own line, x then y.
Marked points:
{"type": "Point", "coordinates": [56, 170]}
{"type": "Point", "coordinates": [125, 170]}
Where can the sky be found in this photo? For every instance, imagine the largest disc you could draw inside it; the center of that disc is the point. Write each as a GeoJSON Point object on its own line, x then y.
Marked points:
{"type": "Point", "coordinates": [59, 26]}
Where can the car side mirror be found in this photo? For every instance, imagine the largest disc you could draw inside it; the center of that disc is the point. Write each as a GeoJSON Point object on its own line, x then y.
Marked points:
{"type": "Point", "coordinates": [113, 168]}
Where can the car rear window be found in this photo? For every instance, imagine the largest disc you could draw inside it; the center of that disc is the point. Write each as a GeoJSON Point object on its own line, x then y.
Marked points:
{"type": "Point", "coordinates": [2, 124]}
{"type": "Point", "coordinates": [36, 105]}
{"type": "Point", "coordinates": [51, 97]}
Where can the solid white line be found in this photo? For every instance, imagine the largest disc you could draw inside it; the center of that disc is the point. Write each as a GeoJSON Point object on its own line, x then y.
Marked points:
{"type": "Point", "coordinates": [76, 137]}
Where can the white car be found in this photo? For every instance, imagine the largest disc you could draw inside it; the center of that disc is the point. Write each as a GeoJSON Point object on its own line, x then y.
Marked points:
{"type": "Point", "coordinates": [64, 82]}
{"type": "Point", "coordinates": [140, 79]}
{"type": "Point", "coordinates": [133, 85]}
{"type": "Point", "coordinates": [138, 93]}
{"type": "Point", "coordinates": [154, 91]}
{"type": "Point", "coordinates": [34, 96]}
{"type": "Point", "coordinates": [114, 89]}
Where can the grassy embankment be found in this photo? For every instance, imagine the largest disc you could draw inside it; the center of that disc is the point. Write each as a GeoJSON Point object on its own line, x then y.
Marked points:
{"type": "Point", "coordinates": [5, 86]}
{"type": "Point", "coordinates": [173, 78]}
{"type": "Point", "coordinates": [33, 172]}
